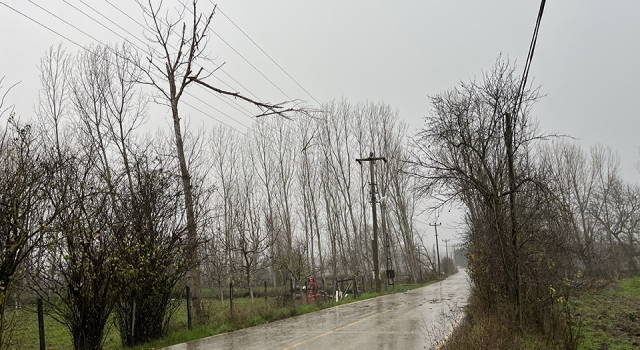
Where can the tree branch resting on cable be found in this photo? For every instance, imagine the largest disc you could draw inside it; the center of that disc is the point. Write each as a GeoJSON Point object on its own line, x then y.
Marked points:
{"type": "Point", "coordinates": [267, 109]}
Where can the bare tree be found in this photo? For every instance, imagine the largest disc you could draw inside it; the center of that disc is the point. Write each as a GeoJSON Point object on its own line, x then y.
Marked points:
{"type": "Point", "coordinates": [53, 102]}
{"type": "Point", "coordinates": [262, 152]}
{"type": "Point", "coordinates": [226, 155]}
{"type": "Point", "coordinates": [121, 241]}
{"type": "Point", "coordinates": [573, 182]}
{"type": "Point", "coordinates": [251, 240]}
{"type": "Point", "coordinates": [26, 208]}
{"type": "Point", "coordinates": [170, 71]}
{"type": "Point", "coordinates": [461, 154]}
{"type": "Point", "coordinates": [175, 56]}
{"type": "Point", "coordinates": [81, 294]}
{"type": "Point", "coordinates": [26, 211]}
{"type": "Point", "coordinates": [310, 192]}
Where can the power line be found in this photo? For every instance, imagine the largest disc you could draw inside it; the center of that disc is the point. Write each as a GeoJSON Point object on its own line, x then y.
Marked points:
{"type": "Point", "coordinates": [266, 54]}
{"type": "Point", "coordinates": [66, 22]}
{"type": "Point", "coordinates": [124, 13]}
{"type": "Point", "coordinates": [225, 98]}
{"type": "Point", "coordinates": [242, 56]}
{"type": "Point", "coordinates": [111, 30]}
{"type": "Point", "coordinates": [219, 67]}
{"type": "Point", "coordinates": [40, 24]}
{"type": "Point", "coordinates": [268, 126]}
{"type": "Point", "coordinates": [95, 20]}
{"type": "Point", "coordinates": [527, 65]}
{"type": "Point", "coordinates": [251, 64]}
{"type": "Point", "coordinates": [106, 27]}
{"type": "Point", "coordinates": [199, 110]}
{"type": "Point", "coordinates": [86, 49]}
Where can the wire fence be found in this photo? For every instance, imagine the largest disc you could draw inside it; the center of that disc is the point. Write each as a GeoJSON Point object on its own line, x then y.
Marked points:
{"type": "Point", "coordinates": [30, 324]}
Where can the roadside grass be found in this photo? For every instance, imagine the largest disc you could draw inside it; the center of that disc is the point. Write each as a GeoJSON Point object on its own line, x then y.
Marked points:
{"type": "Point", "coordinates": [607, 319]}
{"type": "Point", "coordinates": [484, 328]}
{"type": "Point", "coordinates": [221, 320]}
{"type": "Point", "coordinates": [23, 331]}
{"type": "Point", "coordinates": [610, 317]}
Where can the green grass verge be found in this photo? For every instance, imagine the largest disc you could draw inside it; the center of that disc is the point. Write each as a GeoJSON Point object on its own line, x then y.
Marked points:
{"type": "Point", "coordinates": [607, 319]}
{"type": "Point", "coordinates": [222, 321]}
{"type": "Point", "coordinates": [610, 317]}
{"type": "Point", "coordinates": [23, 331]}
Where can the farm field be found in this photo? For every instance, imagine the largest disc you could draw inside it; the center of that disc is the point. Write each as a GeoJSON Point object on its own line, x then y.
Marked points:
{"type": "Point", "coordinates": [611, 317]}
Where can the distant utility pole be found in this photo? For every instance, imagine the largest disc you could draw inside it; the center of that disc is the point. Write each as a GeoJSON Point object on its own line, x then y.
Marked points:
{"type": "Point", "coordinates": [446, 246]}
{"type": "Point", "coordinates": [374, 244]}
{"type": "Point", "coordinates": [435, 225]}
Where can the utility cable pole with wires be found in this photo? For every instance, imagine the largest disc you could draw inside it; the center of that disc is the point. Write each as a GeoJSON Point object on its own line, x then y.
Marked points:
{"type": "Point", "coordinates": [435, 225]}
{"type": "Point", "coordinates": [374, 243]}
{"type": "Point", "coordinates": [511, 123]}
{"type": "Point", "coordinates": [446, 246]}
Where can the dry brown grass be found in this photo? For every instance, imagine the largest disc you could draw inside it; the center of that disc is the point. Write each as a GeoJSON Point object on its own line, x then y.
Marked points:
{"type": "Point", "coordinates": [493, 328]}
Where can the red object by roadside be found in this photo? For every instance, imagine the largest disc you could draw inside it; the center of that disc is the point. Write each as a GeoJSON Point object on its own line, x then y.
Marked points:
{"type": "Point", "coordinates": [313, 289]}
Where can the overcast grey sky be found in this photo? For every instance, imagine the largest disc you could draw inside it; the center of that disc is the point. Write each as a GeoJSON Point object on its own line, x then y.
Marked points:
{"type": "Point", "coordinates": [398, 52]}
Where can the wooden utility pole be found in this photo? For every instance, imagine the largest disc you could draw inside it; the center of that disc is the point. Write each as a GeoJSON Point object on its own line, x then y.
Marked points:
{"type": "Point", "coordinates": [510, 133]}
{"type": "Point", "coordinates": [435, 225]}
{"type": "Point", "coordinates": [374, 244]}
{"type": "Point", "coordinates": [446, 246]}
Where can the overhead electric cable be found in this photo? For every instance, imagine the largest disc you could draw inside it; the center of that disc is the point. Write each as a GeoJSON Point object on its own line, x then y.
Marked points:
{"type": "Point", "coordinates": [244, 58]}
{"type": "Point", "coordinates": [141, 49]}
{"type": "Point", "coordinates": [199, 110]}
{"type": "Point", "coordinates": [527, 66]}
{"type": "Point", "coordinates": [66, 22]}
{"type": "Point", "coordinates": [266, 54]}
{"type": "Point", "coordinates": [138, 47]}
{"type": "Point", "coordinates": [40, 24]}
{"type": "Point", "coordinates": [224, 98]}
{"type": "Point", "coordinates": [98, 41]}
{"type": "Point", "coordinates": [95, 20]}
{"type": "Point", "coordinates": [255, 68]}
{"type": "Point", "coordinates": [84, 48]}
{"type": "Point", "coordinates": [107, 18]}
{"type": "Point", "coordinates": [126, 14]}
{"type": "Point", "coordinates": [251, 64]}
{"type": "Point", "coordinates": [217, 67]}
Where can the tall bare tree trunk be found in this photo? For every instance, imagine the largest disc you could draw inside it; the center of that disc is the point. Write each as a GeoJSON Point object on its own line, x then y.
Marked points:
{"type": "Point", "coordinates": [192, 234]}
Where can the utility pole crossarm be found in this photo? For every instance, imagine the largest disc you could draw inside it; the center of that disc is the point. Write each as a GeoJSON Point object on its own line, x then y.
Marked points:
{"type": "Point", "coordinates": [370, 159]}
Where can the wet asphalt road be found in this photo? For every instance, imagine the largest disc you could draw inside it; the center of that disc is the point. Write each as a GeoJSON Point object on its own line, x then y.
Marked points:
{"type": "Point", "coordinates": [417, 319]}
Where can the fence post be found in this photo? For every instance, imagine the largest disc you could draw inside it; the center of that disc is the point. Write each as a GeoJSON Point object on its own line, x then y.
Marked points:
{"type": "Point", "coordinates": [41, 324]}
{"type": "Point", "coordinates": [265, 293]}
{"type": "Point", "coordinates": [188, 308]}
{"type": "Point", "coordinates": [231, 297]}
{"type": "Point", "coordinates": [133, 320]}
{"type": "Point", "coordinates": [355, 287]}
